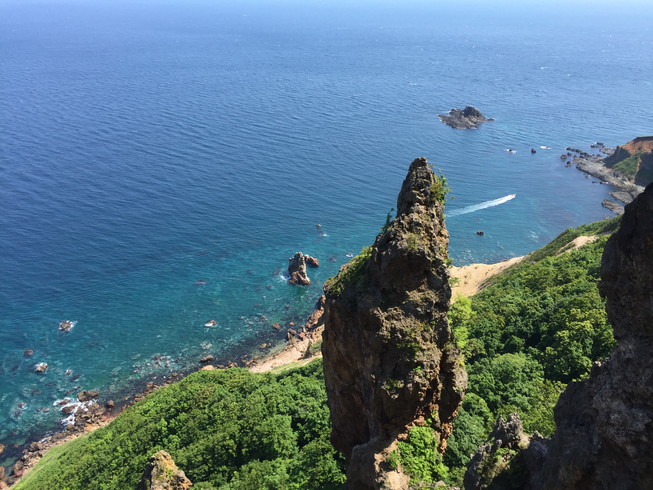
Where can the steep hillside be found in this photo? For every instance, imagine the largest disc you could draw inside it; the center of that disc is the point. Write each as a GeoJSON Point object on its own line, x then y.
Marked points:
{"type": "Point", "coordinates": [224, 428]}
{"type": "Point", "coordinates": [534, 328]}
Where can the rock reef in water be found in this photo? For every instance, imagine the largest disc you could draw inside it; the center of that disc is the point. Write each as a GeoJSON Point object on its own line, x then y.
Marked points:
{"type": "Point", "coordinates": [297, 268]}
{"type": "Point", "coordinates": [468, 118]}
{"type": "Point", "coordinates": [629, 168]}
{"type": "Point", "coordinates": [162, 474]}
{"type": "Point", "coordinates": [388, 357]}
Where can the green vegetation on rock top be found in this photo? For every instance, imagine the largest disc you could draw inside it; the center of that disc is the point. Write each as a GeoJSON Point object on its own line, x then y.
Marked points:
{"type": "Point", "coordinates": [629, 166]}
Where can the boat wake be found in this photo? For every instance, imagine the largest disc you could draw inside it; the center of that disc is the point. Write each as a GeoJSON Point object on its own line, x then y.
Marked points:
{"type": "Point", "coordinates": [483, 205]}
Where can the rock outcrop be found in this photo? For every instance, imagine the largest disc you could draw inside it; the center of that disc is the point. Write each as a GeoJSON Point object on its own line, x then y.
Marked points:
{"type": "Point", "coordinates": [162, 474]}
{"type": "Point", "coordinates": [297, 269]}
{"type": "Point", "coordinates": [468, 118]}
{"type": "Point", "coordinates": [634, 160]}
{"type": "Point", "coordinates": [489, 465]}
{"type": "Point", "coordinates": [604, 424]}
{"type": "Point", "coordinates": [388, 356]}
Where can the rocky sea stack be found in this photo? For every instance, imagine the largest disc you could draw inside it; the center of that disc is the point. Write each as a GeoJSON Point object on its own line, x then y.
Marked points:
{"type": "Point", "coordinates": [389, 360]}
{"type": "Point", "coordinates": [468, 118]}
{"type": "Point", "coordinates": [297, 268]}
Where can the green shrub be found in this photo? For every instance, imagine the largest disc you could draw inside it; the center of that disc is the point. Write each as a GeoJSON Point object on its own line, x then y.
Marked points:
{"type": "Point", "coordinates": [225, 428]}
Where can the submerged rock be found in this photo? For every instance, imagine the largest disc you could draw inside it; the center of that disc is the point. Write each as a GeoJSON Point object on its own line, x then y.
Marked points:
{"type": "Point", "coordinates": [468, 118]}
{"type": "Point", "coordinates": [162, 474]}
{"type": "Point", "coordinates": [388, 356]}
{"type": "Point", "coordinates": [41, 367]}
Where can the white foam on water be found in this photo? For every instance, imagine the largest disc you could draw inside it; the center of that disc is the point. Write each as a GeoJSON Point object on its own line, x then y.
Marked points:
{"type": "Point", "coordinates": [483, 205]}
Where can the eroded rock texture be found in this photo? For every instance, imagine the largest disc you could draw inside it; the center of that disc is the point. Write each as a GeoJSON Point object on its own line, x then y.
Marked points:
{"type": "Point", "coordinates": [388, 356]}
{"type": "Point", "coordinates": [162, 474]}
{"type": "Point", "coordinates": [604, 436]}
{"type": "Point", "coordinates": [297, 269]}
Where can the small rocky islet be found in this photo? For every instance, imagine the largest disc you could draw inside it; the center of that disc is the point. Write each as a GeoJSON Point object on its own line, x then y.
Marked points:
{"type": "Point", "coordinates": [468, 118]}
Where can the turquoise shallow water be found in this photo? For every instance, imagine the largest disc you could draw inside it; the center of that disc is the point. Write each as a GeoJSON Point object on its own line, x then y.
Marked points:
{"type": "Point", "coordinates": [160, 162]}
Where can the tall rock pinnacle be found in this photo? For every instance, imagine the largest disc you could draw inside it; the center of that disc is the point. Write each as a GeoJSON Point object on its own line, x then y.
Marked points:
{"type": "Point", "coordinates": [604, 435]}
{"type": "Point", "coordinates": [388, 357]}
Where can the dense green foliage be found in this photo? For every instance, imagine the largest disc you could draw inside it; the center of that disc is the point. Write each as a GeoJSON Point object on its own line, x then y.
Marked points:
{"type": "Point", "coordinates": [225, 429]}
{"type": "Point", "coordinates": [419, 456]}
{"type": "Point", "coordinates": [538, 326]}
{"type": "Point", "coordinates": [439, 189]}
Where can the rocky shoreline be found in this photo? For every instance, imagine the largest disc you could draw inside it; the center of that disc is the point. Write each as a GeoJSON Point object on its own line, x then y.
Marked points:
{"type": "Point", "coordinates": [90, 413]}
{"type": "Point", "coordinates": [593, 164]}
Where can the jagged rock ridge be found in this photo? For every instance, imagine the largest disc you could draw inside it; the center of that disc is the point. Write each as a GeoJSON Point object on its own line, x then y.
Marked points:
{"type": "Point", "coordinates": [388, 357]}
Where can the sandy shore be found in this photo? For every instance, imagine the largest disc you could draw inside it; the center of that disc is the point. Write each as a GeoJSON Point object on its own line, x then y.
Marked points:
{"type": "Point", "coordinates": [472, 278]}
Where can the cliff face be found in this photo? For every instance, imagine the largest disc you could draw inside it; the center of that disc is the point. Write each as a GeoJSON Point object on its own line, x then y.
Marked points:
{"type": "Point", "coordinates": [604, 424]}
{"type": "Point", "coordinates": [634, 160]}
{"type": "Point", "coordinates": [388, 357]}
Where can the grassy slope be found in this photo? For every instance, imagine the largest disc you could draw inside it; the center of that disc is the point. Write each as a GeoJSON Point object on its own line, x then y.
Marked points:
{"type": "Point", "coordinates": [227, 429]}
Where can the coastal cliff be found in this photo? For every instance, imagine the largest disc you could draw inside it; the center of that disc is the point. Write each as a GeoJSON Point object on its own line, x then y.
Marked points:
{"type": "Point", "coordinates": [634, 160]}
{"type": "Point", "coordinates": [389, 362]}
{"type": "Point", "coordinates": [603, 424]}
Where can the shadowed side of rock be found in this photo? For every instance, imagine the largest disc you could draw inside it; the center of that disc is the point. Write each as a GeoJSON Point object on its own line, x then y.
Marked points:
{"type": "Point", "coordinates": [388, 355]}
{"type": "Point", "coordinates": [604, 424]}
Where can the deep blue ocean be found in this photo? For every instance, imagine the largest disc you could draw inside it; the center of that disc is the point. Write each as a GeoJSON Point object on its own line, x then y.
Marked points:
{"type": "Point", "coordinates": [161, 160]}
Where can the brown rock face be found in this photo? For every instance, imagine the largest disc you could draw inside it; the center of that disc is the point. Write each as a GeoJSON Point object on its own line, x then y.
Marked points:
{"type": "Point", "coordinates": [162, 474]}
{"type": "Point", "coordinates": [605, 424]}
{"type": "Point", "coordinates": [297, 270]}
{"type": "Point", "coordinates": [388, 359]}
{"type": "Point", "coordinates": [642, 147]}
{"type": "Point", "coordinates": [84, 396]}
